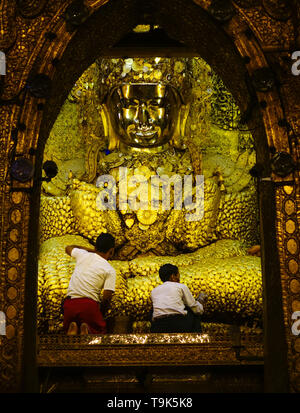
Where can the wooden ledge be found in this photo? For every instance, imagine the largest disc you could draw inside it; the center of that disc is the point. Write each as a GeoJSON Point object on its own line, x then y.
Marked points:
{"type": "Point", "coordinates": [147, 350]}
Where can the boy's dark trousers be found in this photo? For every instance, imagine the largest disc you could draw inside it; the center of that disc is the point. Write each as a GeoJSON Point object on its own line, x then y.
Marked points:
{"type": "Point", "coordinates": [189, 323]}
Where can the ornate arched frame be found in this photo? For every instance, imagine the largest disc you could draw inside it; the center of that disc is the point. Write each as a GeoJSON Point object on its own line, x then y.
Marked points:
{"type": "Point", "coordinates": [36, 40]}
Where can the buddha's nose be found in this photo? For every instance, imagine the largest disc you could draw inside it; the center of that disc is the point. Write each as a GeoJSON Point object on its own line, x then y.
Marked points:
{"type": "Point", "coordinates": [143, 114]}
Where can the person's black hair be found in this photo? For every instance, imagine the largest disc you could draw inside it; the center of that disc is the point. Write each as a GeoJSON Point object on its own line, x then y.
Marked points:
{"type": "Point", "coordinates": [105, 242]}
{"type": "Point", "coordinates": [166, 271]}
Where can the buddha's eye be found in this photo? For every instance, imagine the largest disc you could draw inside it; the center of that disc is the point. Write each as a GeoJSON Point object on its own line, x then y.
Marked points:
{"type": "Point", "coordinates": [157, 103]}
{"type": "Point", "coordinates": [129, 103]}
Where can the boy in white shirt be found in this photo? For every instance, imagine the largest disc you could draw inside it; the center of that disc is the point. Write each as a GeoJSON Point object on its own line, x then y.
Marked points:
{"type": "Point", "coordinates": [174, 308]}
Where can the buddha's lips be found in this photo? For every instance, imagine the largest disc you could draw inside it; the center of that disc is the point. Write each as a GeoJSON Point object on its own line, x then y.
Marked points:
{"type": "Point", "coordinates": [145, 132]}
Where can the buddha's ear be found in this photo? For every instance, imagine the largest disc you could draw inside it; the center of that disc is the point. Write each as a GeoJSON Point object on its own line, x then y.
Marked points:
{"type": "Point", "coordinates": [179, 132]}
{"type": "Point", "coordinates": [120, 93]}
{"type": "Point", "coordinates": [109, 132]}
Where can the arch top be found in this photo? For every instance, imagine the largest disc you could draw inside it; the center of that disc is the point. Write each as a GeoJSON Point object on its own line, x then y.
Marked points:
{"type": "Point", "coordinates": [225, 45]}
{"type": "Point", "coordinates": [186, 23]}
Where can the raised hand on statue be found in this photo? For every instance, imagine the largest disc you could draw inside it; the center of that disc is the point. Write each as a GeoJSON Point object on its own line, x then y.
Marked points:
{"type": "Point", "coordinates": [202, 297]}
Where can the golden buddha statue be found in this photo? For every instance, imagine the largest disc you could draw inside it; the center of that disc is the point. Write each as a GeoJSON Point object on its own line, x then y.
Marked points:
{"type": "Point", "coordinates": [146, 104]}
{"type": "Point", "coordinates": [144, 123]}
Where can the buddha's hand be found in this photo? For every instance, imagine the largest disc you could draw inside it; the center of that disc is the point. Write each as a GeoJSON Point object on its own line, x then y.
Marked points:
{"type": "Point", "coordinates": [255, 251]}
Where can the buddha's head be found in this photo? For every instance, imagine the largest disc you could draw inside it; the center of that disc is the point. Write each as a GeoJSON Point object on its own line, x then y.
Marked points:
{"type": "Point", "coordinates": [143, 103]}
{"type": "Point", "coordinates": [144, 115]}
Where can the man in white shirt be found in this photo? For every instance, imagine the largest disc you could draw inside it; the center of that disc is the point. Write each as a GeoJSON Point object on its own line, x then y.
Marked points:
{"type": "Point", "coordinates": [91, 275]}
{"type": "Point", "coordinates": [174, 308]}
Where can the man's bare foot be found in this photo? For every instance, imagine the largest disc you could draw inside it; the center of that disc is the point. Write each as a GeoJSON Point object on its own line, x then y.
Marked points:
{"type": "Point", "coordinates": [84, 329]}
{"type": "Point", "coordinates": [73, 329]}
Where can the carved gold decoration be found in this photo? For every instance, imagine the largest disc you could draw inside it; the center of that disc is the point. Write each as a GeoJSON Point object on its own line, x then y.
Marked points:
{"type": "Point", "coordinates": [30, 8]}
{"type": "Point", "coordinates": [7, 25]}
{"type": "Point", "coordinates": [297, 345]}
{"type": "Point", "coordinates": [290, 226]}
{"type": "Point", "coordinates": [293, 266]}
{"type": "Point", "coordinates": [278, 9]}
{"type": "Point", "coordinates": [295, 286]}
{"type": "Point", "coordinates": [296, 305]}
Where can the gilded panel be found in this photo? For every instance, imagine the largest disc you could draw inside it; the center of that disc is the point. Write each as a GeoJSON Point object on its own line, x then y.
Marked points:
{"type": "Point", "coordinates": [288, 233]}
{"type": "Point", "coordinates": [272, 113]}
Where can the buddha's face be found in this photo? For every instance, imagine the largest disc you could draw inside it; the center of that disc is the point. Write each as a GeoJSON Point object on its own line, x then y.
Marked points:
{"type": "Point", "coordinates": [144, 115]}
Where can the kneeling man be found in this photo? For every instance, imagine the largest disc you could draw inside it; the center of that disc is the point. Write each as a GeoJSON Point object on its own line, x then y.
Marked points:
{"type": "Point", "coordinates": [91, 275]}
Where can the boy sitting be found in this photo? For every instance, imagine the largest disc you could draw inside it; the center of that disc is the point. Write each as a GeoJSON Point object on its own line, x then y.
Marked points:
{"type": "Point", "coordinates": [174, 308]}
